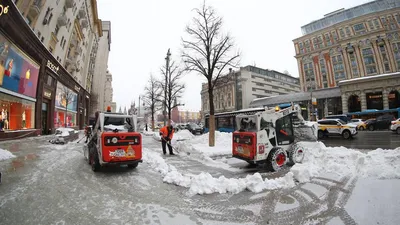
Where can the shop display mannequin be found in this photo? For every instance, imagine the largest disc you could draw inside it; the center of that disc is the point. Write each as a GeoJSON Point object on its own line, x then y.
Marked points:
{"type": "Point", "coordinates": [5, 120]}
{"type": "Point", "coordinates": [23, 120]}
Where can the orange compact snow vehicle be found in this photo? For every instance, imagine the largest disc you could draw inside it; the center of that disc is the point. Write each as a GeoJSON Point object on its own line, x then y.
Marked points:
{"type": "Point", "coordinates": [114, 141]}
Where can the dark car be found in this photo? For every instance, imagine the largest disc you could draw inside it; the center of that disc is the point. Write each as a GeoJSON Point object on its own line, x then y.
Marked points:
{"type": "Point", "coordinates": [195, 129]}
{"type": "Point", "coordinates": [381, 123]}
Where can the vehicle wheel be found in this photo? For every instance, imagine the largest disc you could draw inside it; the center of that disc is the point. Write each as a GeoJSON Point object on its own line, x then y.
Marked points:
{"type": "Point", "coordinates": [296, 155]}
{"type": "Point", "coordinates": [276, 159]}
{"type": "Point", "coordinates": [371, 128]}
{"type": "Point", "coordinates": [398, 130]}
{"type": "Point", "coordinates": [320, 134]}
{"type": "Point", "coordinates": [346, 134]}
{"type": "Point", "coordinates": [361, 128]}
{"type": "Point", "coordinates": [133, 165]}
{"type": "Point", "coordinates": [94, 162]}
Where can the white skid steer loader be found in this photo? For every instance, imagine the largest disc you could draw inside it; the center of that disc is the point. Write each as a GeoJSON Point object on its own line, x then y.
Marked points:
{"type": "Point", "coordinates": [270, 137]}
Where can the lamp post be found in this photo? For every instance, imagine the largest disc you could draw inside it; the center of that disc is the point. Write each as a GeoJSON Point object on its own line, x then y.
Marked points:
{"type": "Point", "coordinates": [311, 84]}
{"type": "Point", "coordinates": [165, 87]}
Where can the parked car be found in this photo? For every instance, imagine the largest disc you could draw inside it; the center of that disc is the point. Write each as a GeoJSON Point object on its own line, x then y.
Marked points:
{"type": "Point", "coordinates": [328, 127]}
{"type": "Point", "coordinates": [195, 129]}
{"type": "Point", "coordinates": [381, 123]}
{"type": "Point", "coordinates": [395, 127]}
{"type": "Point", "coordinates": [359, 123]}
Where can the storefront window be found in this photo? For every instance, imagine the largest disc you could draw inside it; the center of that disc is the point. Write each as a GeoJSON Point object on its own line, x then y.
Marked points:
{"type": "Point", "coordinates": [65, 107]}
{"type": "Point", "coordinates": [64, 119]}
{"type": "Point", "coordinates": [16, 113]}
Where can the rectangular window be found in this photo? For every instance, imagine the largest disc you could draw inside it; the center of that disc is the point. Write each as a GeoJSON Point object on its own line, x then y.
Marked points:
{"type": "Point", "coordinates": [396, 52]}
{"type": "Point", "coordinates": [385, 58]}
{"type": "Point", "coordinates": [348, 32]}
{"type": "Point", "coordinates": [309, 76]}
{"type": "Point", "coordinates": [56, 30]}
{"type": "Point", "coordinates": [315, 43]}
{"type": "Point", "coordinates": [323, 72]}
{"type": "Point", "coordinates": [18, 113]}
{"type": "Point", "coordinates": [338, 68]}
{"type": "Point", "coordinates": [334, 35]}
{"type": "Point", "coordinates": [328, 40]}
{"type": "Point", "coordinates": [320, 42]}
{"type": "Point", "coordinates": [377, 24]}
{"type": "Point", "coordinates": [341, 32]}
{"type": "Point", "coordinates": [359, 27]}
{"type": "Point", "coordinates": [49, 80]}
{"type": "Point", "coordinates": [370, 25]}
{"type": "Point", "coordinates": [369, 61]}
{"type": "Point", "coordinates": [354, 66]}
{"type": "Point", "coordinates": [397, 18]}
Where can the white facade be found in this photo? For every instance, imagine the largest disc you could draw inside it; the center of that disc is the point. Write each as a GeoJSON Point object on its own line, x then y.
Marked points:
{"type": "Point", "coordinates": [100, 67]}
{"type": "Point", "coordinates": [68, 29]}
{"type": "Point", "coordinates": [108, 90]}
{"type": "Point", "coordinates": [237, 89]}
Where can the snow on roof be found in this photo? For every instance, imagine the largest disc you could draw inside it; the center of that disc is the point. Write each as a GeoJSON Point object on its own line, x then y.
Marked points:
{"type": "Point", "coordinates": [375, 77]}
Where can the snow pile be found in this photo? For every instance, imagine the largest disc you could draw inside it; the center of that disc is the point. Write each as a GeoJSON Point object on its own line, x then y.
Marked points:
{"type": "Point", "coordinates": [319, 160]}
{"type": "Point", "coordinates": [156, 136]}
{"type": "Point", "coordinates": [223, 144]}
{"type": "Point", "coordinates": [148, 133]}
{"type": "Point", "coordinates": [204, 183]}
{"type": "Point", "coordinates": [4, 154]}
{"type": "Point", "coordinates": [115, 127]}
{"type": "Point", "coordinates": [183, 135]}
{"type": "Point", "coordinates": [63, 131]}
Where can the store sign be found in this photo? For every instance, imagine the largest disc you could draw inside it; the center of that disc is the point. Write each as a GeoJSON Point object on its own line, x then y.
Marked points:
{"type": "Point", "coordinates": [3, 9]}
{"type": "Point", "coordinates": [47, 94]}
{"type": "Point", "coordinates": [66, 98]}
{"type": "Point", "coordinates": [53, 67]}
{"type": "Point", "coordinates": [18, 73]}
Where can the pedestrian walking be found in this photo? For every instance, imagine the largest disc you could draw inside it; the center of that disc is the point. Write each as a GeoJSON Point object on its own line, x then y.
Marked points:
{"type": "Point", "coordinates": [166, 134]}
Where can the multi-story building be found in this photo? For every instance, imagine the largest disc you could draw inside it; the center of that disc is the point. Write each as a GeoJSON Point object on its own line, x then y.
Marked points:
{"type": "Point", "coordinates": [362, 41]}
{"type": "Point", "coordinates": [108, 91]}
{"type": "Point", "coordinates": [100, 67]}
{"type": "Point", "coordinates": [180, 115]}
{"type": "Point", "coordinates": [235, 90]}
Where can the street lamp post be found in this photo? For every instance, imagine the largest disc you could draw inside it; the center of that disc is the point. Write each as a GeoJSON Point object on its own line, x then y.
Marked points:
{"type": "Point", "coordinates": [311, 84]}
{"type": "Point", "coordinates": [165, 87]}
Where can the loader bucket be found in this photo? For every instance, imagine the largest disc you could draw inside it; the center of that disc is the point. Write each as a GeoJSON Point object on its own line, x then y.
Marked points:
{"type": "Point", "coordinates": [306, 132]}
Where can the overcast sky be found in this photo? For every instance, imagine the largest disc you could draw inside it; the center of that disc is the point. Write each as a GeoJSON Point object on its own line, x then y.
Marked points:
{"type": "Point", "coordinates": [142, 32]}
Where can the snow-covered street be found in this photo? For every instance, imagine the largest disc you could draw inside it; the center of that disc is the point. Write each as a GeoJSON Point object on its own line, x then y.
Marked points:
{"type": "Point", "coordinates": [53, 184]}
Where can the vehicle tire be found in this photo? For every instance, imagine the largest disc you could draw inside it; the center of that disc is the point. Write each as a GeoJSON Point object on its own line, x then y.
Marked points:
{"type": "Point", "coordinates": [398, 130]}
{"type": "Point", "coordinates": [295, 155]}
{"type": "Point", "coordinates": [133, 165]}
{"type": "Point", "coordinates": [320, 134]}
{"type": "Point", "coordinates": [371, 127]}
{"type": "Point", "coordinates": [361, 128]}
{"type": "Point", "coordinates": [94, 161]}
{"type": "Point", "coordinates": [276, 159]}
{"type": "Point", "coordinates": [346, 134]}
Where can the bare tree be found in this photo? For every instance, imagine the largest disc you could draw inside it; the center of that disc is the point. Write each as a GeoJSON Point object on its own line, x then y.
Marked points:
{"type": "Point", "coordinates": [208, 52]}
{"type": "Point", "coordinates": [152, 97]}
{"type": "Point", "coordinates": [67, 95]}
{"type": "Point", "coordinates": [174, 88]}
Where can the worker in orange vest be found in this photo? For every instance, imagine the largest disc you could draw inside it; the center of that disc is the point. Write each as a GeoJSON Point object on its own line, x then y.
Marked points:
{"type": "Point", "coordinates": [166, 134]}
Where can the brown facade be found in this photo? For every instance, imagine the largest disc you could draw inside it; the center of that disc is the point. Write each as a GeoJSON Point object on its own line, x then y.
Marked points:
{"type": "Point", "coordinates": [14, 27]}
{"type": "Point", "coordinates": [363, 46]}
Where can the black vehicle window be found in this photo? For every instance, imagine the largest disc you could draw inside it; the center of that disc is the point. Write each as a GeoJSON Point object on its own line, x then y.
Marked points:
{"type": "Point", "coordinates": [333, 122]}
{"type": "Point", "coordinates": [114, 121]}
{"type": "Point", "coordinates": [284, 129]}
{"type": "Point", "coordinates": [323, 122]}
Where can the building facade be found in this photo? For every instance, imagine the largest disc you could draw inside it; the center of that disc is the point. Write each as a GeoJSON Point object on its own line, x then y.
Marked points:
{"type": "Point", "coordinates": [180, 115]}
{"type": "Point", "coordinates": [362, 41]}
{"type": "Point", "coordinates": [100, 68]}
{"type": "Point", "coordinates": [236, 90]}
{"type": "Point", "coordinates": [108, 90]}
{"type": "Point", "coordinates": [37, 94]}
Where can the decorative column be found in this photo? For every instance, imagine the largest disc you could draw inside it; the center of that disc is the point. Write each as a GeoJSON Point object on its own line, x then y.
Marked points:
{"type": "Point", "coordinates": [345, 107]}
{"type": "Point", "coordinates": [363, 100]}
{"type": "Point", "coordinates": [326, 108]}
{"type": "Point", "coordinates": [385, 96]}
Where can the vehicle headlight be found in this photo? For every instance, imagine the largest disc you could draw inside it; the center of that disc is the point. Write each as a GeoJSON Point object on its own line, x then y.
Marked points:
{"type": "Point", "coordinates": [114, 140]}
